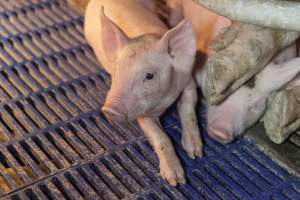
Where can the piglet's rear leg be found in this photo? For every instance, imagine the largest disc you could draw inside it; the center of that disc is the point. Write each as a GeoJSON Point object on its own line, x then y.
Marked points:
{"type": "Point", "coordinates": [191, 140]}
{"type": "Point", "coordinates": [169, 164]}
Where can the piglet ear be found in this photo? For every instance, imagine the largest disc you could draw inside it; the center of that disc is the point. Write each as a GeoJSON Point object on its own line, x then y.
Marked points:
{"type": "Point", "coordinates": [113, 38]}
{"type": "Point", "coordinates": [179, 42]}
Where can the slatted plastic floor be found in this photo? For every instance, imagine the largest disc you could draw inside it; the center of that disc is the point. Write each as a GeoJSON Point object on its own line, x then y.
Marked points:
{"type": "Point", "coordinates": [56, 144]}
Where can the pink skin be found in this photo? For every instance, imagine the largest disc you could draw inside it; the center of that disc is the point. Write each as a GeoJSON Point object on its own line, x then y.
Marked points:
{"type": "Point", "coordinates": [246, 105]}
{"type": "Point", "coordinates": [150, 67]}
{"type": "Point", "coordinates": [148, 80]}
{"type": "Point", "coordinates": [206, 24]}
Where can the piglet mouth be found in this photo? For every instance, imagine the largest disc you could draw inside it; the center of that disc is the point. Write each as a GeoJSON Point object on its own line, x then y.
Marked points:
{"type": "Point", "coordinates": [113, 114]}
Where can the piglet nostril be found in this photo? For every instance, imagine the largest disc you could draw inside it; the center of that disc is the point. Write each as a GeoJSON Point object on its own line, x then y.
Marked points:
{"type": "Point", "coordinates": [113, 114]}
{"type": "Point", "coordinates": [220, 135]}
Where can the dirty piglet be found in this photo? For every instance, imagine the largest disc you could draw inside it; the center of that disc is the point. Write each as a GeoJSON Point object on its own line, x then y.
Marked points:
{"type": "Point", "coordinates": [247, 104]}
{"type": "Point", "coordinates": [150, 67]}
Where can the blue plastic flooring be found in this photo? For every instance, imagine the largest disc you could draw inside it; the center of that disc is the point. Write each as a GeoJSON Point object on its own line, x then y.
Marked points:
{"type": "Point", "coordinates": [56, 144]}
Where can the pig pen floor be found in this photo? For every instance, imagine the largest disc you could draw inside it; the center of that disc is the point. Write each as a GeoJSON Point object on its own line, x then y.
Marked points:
{"type": "Point", "coordinates": [56, 144]}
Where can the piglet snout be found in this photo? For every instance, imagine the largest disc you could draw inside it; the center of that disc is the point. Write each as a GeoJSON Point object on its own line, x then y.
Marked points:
{"type": "Point", "coordinates": [220, 135]}
{"type": "Point", "coordinates": [114, 113]}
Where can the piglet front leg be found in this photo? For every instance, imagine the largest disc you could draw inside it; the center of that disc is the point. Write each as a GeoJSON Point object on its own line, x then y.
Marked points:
{"type": "Point", "coordinates": [191, 140]}
{"type": "Point", "coordinates": [169, 164]}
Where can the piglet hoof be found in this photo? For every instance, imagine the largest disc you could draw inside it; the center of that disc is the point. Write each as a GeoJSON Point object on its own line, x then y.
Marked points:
{"type": "Point", "coordinates": [192, 144]}
{"type": "Point", "coordinates": [220, 135]}
{"type": "Point", "coordinates": [172, 171]}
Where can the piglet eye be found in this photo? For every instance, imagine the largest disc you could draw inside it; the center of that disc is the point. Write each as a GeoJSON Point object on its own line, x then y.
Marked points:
{"type": "Point", "coordinates": [149, 76]}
